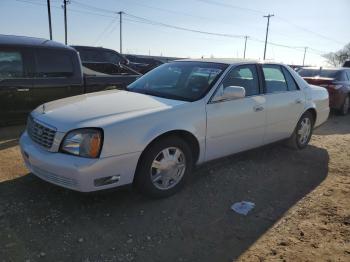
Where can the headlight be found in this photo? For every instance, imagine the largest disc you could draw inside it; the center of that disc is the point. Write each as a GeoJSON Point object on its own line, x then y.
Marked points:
{"type": "Point", "coordinates": [85, 142]}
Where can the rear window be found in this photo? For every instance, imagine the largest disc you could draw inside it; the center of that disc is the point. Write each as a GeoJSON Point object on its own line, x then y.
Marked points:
{"type": "Point", "coordinates": [55, 63]}
{"type": "Point", "coordinates": [327, 73]}
{"type": "Point", "coordinates": [11, 65]}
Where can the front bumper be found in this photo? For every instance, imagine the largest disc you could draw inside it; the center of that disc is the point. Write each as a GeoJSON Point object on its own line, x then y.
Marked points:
{"type": "Point", "coordinates": [74, 172]}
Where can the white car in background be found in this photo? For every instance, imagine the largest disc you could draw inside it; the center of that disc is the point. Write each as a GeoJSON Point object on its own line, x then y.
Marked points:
{"type": "Point", "coordinates": [176, 116]}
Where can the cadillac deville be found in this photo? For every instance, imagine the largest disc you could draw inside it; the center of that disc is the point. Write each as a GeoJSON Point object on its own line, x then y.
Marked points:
{"type": "Point", "coordinates": [178, 115]}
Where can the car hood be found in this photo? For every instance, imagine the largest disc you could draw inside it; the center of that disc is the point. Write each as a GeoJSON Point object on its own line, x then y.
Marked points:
{"type": "Point", "coordinates": [99, 109]}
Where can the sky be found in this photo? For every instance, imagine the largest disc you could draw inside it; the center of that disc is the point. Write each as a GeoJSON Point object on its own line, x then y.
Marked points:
{"type": "Point", "coordinates": [320, 25]}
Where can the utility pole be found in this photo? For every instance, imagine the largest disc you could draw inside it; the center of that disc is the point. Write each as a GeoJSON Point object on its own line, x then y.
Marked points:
{"type": "Point", "coordinates": [120, 31]}
{"type": "Point", "coordinates": [245, 45]}
{"type": "Point", "coordinates": [305, 48]}
{"type": "Point", "coordinates": [267, 31]}
{"type": "Point", "coordinates": [49, 14]}
{"type": "Point", "coordinates": [65, 2]}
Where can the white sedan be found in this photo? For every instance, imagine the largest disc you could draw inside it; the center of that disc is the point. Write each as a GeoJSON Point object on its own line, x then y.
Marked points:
{"type": "Point", "coordinates": [178, 115]}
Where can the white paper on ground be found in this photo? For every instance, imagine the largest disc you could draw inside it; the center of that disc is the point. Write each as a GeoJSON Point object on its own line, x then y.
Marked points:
{"type": "Point", "coordinates": [243, 207]}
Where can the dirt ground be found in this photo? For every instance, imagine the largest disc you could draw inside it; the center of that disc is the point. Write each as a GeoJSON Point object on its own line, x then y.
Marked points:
{"type": "Point", "coordinates": [302, 210]}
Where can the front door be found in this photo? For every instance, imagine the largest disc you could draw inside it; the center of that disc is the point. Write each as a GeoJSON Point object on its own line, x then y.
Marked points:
{"type": "Point", "coordinates": [238, 124]}
{"type": "Point", "coordinates": [15, 86]}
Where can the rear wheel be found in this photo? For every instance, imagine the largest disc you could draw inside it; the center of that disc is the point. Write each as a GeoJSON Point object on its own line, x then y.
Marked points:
{"type": "Point", "coordinates": [303, 132]}
{"type": "Point", "coordinates": [164, 167]}
{"type": "Point", "coordinates": [344, 110]}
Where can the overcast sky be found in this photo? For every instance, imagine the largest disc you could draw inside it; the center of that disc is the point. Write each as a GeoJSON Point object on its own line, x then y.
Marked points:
{"type": "Point", "coordinates": [322, 25]}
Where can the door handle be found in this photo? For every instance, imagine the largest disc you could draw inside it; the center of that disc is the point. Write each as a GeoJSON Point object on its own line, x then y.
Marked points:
{"type": "Point", "coordinates": [22, 89]}
{"type": "Point", "coordinates": [298, 101]}
{"type": "Point", "coordinates": [258, 108]}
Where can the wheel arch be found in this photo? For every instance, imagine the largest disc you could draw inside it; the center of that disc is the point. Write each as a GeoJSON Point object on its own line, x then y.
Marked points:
{"type": "Point", "coordinates": [187, 136]}
{"type": "Point", "coordinates": [313, 111]}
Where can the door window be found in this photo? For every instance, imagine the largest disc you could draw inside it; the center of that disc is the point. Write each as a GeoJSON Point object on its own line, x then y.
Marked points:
{"type": "Point", "coordinates": [113, 58]}
{"type": "Point", "coordinates": [274, 79]}
{"type": "Point", "coordinates": [244, 76]}
{"type": "Point", "coordinates": [88, 55]}
{"type": "Point", "coordinates": [53, 64]}
{"type": "Point", "coordinates": [11, 64]}
{"type": "Point", "coordinates": [292, 85]}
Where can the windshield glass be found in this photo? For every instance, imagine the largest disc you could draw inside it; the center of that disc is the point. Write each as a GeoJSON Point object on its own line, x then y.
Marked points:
{"type": "Point", "coordinates": [317, 72]}
{"type": "Point", "coordinates": [187, 81]}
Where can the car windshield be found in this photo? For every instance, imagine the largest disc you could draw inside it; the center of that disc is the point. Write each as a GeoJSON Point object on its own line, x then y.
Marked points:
{"type": "Point", "coordinates": [188, 81]}
{"type": "Point", "coordinates": [328, 73]}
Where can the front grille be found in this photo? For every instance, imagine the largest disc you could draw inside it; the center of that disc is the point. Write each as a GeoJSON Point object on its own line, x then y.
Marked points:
{"type": "Point", "coordinates": [40, 133]}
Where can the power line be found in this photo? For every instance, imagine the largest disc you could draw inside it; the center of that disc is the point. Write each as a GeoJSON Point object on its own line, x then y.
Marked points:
{"type": "Point", "coordinates": [170, 11]}
{"type": "Point", "coordinates": [211, 2]}
{"type": "Point", "coordinates": [114, 19]}
{"type": "Point", "coordinates": [93, 8]}
{"type": "Point", "coordinates": [143, 20]}
{"type": "Point", "coordinates": [59, 7]}
{"type": "Point", "coordinates": [309, 31]}
{"type": "Point", "coordinates": [182, 28]}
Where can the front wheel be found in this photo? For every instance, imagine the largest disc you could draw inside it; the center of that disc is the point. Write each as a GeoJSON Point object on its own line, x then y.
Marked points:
{"type": "Point", "coordinates": [303, 132]}
{"type": "Point", "coordinates": [164, 167]}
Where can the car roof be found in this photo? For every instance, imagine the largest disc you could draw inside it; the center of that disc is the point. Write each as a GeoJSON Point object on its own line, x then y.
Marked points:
{"type": "Point", "coordinates": [14, 40]}
{"type": "Point", "coordinates": [93, 47]}
{"type": "Point", "coordinates": [229, 61]}
{"type": "Point", "coordinates": [323, 68]}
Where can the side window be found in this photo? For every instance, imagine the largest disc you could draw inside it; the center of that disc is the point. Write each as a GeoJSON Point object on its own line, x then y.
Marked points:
{"type": "Point", "coordinates": [292, 85]}
{"type": "Point", "coordinates": [245, 76]}
{"type": "Point", "coordinates": [87, 55]}
{"type": "Point", "coordinates": [113, 58]}
{"type": "Point", "coordinates": [53, 64]}
{"type": "Point", "coordinates": [274, 79]}
{"type": "Point", "coordinates": [11, 64]}
{"type": "Point", "coordinates": [348, 74]}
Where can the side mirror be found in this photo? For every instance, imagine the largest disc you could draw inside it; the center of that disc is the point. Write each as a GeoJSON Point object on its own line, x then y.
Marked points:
{"type": "Point", "coordinates": [229, 93]}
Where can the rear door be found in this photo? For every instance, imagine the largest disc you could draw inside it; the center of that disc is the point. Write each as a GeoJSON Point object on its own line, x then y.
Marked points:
{"type": "Point", "coordinates": [56, 75]}
{"type": "Point", "coordinates": [15, 85]}
{"type": "Point", "coordinates": [284, 102]}
{"type": "Point", "coordinates": [238, 124]}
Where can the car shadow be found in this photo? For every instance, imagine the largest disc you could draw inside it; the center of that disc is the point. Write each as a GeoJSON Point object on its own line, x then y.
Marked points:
{"type": "Point", "coordinates": [38, 219]}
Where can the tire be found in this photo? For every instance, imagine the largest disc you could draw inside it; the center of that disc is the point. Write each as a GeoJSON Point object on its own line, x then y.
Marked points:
{"type": "Point", "coordinates": [344, 110]}
{"type": "Point", "coordinates": [299, 139]}
{"type": "Point", "coordinates": [164, 167]}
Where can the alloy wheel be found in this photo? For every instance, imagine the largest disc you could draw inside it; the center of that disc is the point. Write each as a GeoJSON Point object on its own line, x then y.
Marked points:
{"type": "Point", "coordinates": [304, 131]}
{"type": "Point", "coordinates": [168, 168]}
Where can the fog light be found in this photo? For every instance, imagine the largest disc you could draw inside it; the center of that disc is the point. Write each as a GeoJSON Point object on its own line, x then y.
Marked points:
{"type": "Point", "coordinates": [106, 180]}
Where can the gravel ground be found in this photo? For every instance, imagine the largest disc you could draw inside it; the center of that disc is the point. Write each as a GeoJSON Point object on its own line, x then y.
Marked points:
{"type": "Point", "coordinates": [302, 210]}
